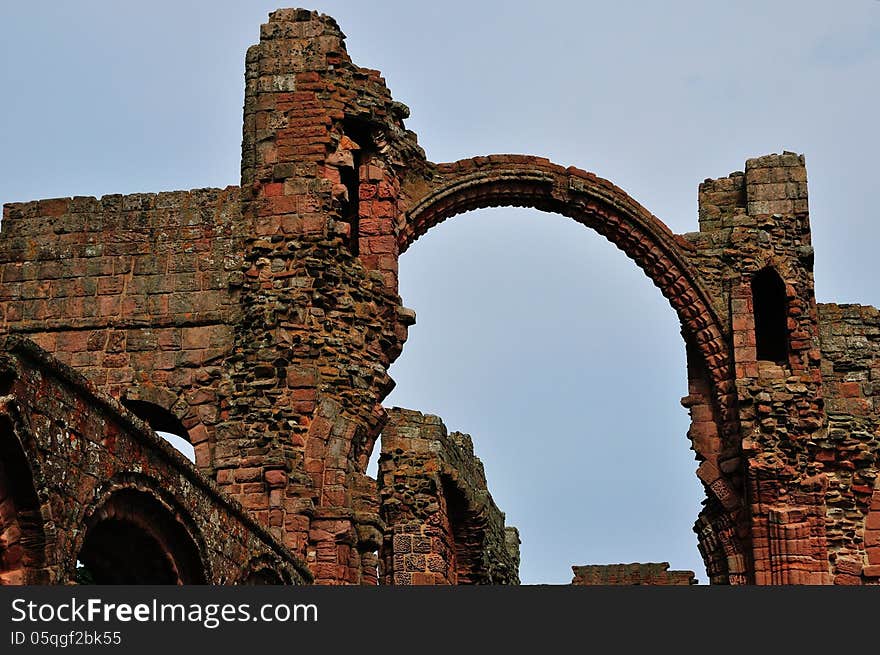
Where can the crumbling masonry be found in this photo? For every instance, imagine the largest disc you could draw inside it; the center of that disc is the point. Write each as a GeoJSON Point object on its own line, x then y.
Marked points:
{"type": "Point", "coordinates": [259, 321]}
{"type": "Point", "coordinates": [654, 574]}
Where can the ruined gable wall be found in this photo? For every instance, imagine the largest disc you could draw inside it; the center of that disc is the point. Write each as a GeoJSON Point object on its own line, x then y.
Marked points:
{"type": "Point", "coordinates": [748, 222]}
{"type": "Point", "coordinates": [849, 451]}
{"type": "Point", "coordinates": [809, 425]}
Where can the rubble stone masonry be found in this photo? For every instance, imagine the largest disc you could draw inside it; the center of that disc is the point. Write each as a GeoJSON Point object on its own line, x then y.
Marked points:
{"type": "Point", "coordinates": [631, 574]}
{"type": "Point", "coordinates": [259, 322]}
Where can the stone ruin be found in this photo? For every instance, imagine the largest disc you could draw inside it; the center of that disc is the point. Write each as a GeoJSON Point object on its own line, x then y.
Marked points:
{"type": "Point", "coordinates": [259, 322]}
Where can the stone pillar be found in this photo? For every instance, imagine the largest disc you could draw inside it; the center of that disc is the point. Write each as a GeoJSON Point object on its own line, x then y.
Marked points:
{"type": "Point", "coordinates": [750, 223]}
{"type": "Point", "coordinates": [322, 320]}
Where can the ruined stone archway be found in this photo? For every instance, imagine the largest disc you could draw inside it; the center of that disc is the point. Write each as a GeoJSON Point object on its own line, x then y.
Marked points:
{"type": "Point", "coordinates": [134, 537]}
{"type": "Point", "coordinates": [166, 425]}
{"type": "Point", "coordinates": [513, 180]}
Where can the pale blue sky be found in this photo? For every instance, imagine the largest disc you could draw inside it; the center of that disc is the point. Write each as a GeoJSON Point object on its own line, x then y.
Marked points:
{"type": "Point", "coordinates": [534, 335]}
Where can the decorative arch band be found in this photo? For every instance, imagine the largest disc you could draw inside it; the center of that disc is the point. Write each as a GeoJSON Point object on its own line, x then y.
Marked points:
{"type": "Point", "coordinates": [524, 181]}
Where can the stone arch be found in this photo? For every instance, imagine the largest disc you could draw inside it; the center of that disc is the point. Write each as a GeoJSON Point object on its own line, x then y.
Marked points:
{"type": "Point", "coordinates": [513, 180]}
{"type": "Point", "coordinates": [22, 532]}
{"type": "Point", "coordinates": [135, 533]}
{"type": "Point", "coordinates": [165, 411]}
{"type": "Point", "coordinates": [526, 181]}
{"type": "Point", "coordinates": [264, 570]}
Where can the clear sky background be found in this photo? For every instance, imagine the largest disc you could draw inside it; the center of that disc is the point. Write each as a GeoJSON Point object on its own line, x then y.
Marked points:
{"type": "Point", "coordinates": [534, 334]}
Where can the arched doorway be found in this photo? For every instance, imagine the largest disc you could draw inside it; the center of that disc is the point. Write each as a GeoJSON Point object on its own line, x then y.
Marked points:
{"type": "Point", "coordinates": [263, 577]}
{"type": "Point", "coordinates": [134, 538]}
{"type": "Point", "coordinates": [263, 570]}
{"type": "Point", "coordinates": [166, 425]}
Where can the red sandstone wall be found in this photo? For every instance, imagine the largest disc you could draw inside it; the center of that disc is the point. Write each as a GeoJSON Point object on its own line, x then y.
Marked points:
{"type": "Point", "coordinates": [81, 448]}
{"type": "Point", "coordinates": [631, 574]}
{"type": "Point", "coordinates": [748, 222]}
{"type": "Point", "coordinates": [324, 149]}
{"type": "Point", "coordinates": [441, 524]}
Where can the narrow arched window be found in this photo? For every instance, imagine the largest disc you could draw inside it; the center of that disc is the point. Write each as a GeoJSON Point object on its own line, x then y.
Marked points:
{"type": "Point", "coordinates": [166, 425]}
{"type": "Point", "coordinates": [771, 316]}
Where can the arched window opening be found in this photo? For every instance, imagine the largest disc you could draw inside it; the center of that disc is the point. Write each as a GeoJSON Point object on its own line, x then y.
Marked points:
{"type": "Point", "coordinates": [548, 368]}
{"type": "Point", "coordinates": [133, 539]}
{"type": "Point", "coordinates": [115, 552]}
{"type": "Point", "coordinates": [358, 131]}
{"type": "Point", "coordinates": [166, 425]}
{"type": "Point", "coordinates": [7, 379]}
{"type": "Point", "coordinates": [771, 316]}
{"type": "Point", "coordinates": [370, 566]}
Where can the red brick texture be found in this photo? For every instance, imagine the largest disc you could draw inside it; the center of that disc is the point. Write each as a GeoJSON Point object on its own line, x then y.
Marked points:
{"type": "Point", "coordinates": [137, 292]}
{"type": "Point", "coordinates": [79, 459]}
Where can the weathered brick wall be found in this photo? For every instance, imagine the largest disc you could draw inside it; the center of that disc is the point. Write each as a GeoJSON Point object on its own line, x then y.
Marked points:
{"type": "Point", "coordinates": [245, 312]}
{"type": "Point", "coordinates": [334, 187]}
{"type": "Point", "coordinates": [809, 424]}
{"type": "Point", "coordinates": [441, 524]}
{"type": "Point", "coordinates": [631, 574]}
{"type": "Point", "coordinates": [848, 452]}
{"type": "Point", "coordinates": [82, 450]}
{"type": "Point", "coordinates": [871, 539]}
{"type": "Point", "coordinates": [323, 143]}
{"type": "Point", "coordinates": [136, 292]}
{"type": "Point", "coordinates": [369, 525]}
